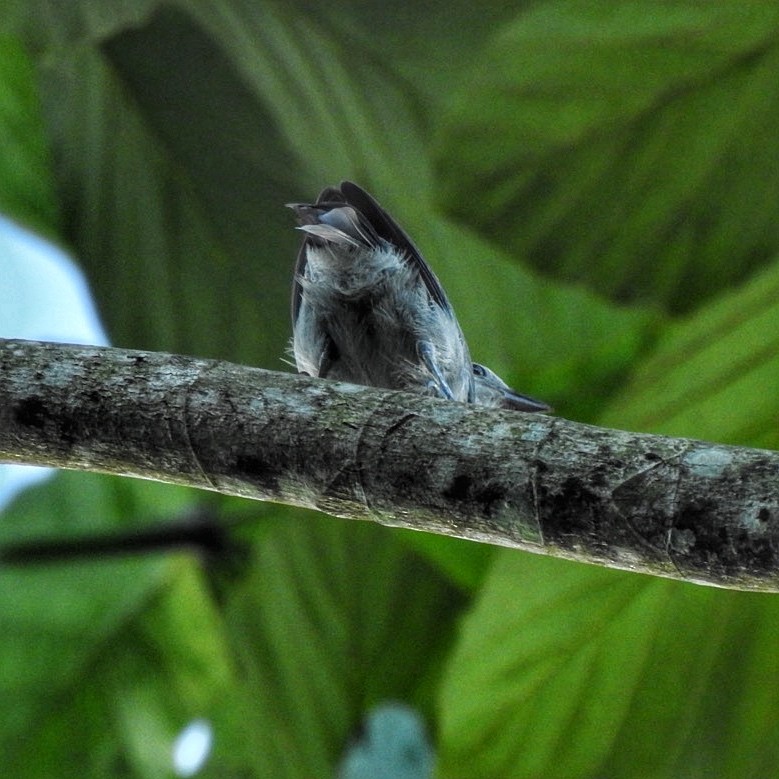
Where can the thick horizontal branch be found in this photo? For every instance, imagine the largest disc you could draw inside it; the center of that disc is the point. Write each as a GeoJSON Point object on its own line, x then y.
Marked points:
{"type": "Point", "coordinates": [671, 507]}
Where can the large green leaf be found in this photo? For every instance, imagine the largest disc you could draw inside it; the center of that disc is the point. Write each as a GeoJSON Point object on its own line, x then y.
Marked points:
{"type": "Point", "coordinates": [570, 671]}
{"type": "Point", "coordinates": [335, 617]}
{"type": "Point", "coordinates": [339, 120]}
{"type": "Point", "coordinates": [176, 161]}
{"type": "Point", "coordinates": [142, 678]}
{"type": "Point", "coordinates": [26, 181]}
{"type": "Point", "coordinates": [628, 144]}
{"type": "Point", "coordinates": [714, 374]}
{"type": "Point", "coordinates": [156, 265]}
{"type": "Point", "coordinates": [80, 639]}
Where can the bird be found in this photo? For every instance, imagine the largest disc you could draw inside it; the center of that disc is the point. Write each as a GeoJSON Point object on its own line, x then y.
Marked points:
{"type": "Point", "coordinates": [368, 309]}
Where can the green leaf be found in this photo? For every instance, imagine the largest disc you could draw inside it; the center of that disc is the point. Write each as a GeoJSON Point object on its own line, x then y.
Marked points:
{"type": "Point", "coordinates": [142, 671]}
{"type": "Point", "coordinates": [463, 562]}
{"type": "Point", "coordinates": [565, 670]}
{"type": "Point", "coordinates": [136, 226]}
{"type": "Point", "coordinates": [335, 617]}
{"type": "Point", "coordinates": [712, 375]}
{"type": "Point", "coordinates": [175, 197]}
{"type": "Point", "coordinates": [630, 145]}
{"type": "Point", "coordinates": [26, 185]}
{"type": "Point", "coordinates": [82, 639]}
{"type": "Point", "coordinates": [340, 121]}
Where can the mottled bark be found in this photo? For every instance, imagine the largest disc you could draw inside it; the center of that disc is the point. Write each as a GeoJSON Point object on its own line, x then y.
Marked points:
{"type": "Point", "coordinates": [666, 506]}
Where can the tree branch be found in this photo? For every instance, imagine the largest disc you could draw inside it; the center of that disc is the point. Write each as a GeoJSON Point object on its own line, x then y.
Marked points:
{"type": "Point", "coordinates": [665, 506]}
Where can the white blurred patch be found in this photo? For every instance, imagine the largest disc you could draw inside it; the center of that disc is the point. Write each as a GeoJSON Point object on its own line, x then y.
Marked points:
{"type": "Point", "coordinates": [43, 297]}
{"type": "Point", "coordinates": [192, 747]}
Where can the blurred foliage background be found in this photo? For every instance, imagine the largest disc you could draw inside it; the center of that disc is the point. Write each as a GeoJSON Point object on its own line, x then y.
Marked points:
{"type": "Point", "coordinates": [596, 186]}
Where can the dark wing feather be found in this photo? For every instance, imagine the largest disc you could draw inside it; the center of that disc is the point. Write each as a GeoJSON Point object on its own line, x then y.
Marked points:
{"type": "Point", "coordinates": [391, 231]}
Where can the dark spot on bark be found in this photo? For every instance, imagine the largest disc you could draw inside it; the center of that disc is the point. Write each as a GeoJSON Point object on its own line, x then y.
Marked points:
{"type": "Point", "coordinates": [575, 497]}
{"type": "Point", "coordinates": [490, 497]}
{"type": "Point", "coordinates": [459, 488]}
{"type": "Point", "coordinates": [258, 471]}
{"type": "Point", "coordinates": [763, 515]}
{"type": "Point", "coordinates": [698, 517]}
{"type": "Point", "coordinates": [721, 547]}
{"type": "Point", "coordinates": [462, 489]}
{"type": "Point", "coordinates": [652, 457]}
{"type": "Point", "coordinates": [572, 512]}
{"type": "Point", "coordinates": [31, 412]}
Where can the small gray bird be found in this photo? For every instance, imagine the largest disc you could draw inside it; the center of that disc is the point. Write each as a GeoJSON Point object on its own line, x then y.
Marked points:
{"type": "Point", "coordinates": [367, 309]}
